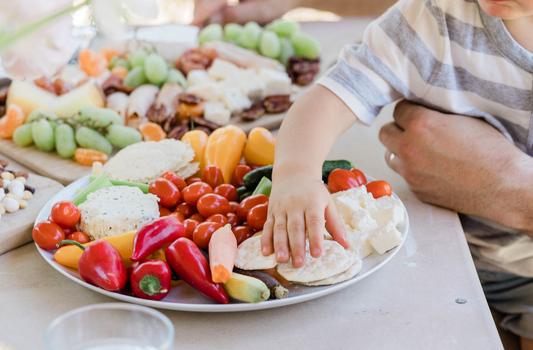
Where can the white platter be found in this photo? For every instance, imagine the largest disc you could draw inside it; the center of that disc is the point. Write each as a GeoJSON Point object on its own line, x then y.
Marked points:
{"type": "Point", "coordinates": [185, 298]}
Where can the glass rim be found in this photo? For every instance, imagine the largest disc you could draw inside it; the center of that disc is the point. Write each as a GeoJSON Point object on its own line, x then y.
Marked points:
{"type": "Point", "coordinates": [115, 306]}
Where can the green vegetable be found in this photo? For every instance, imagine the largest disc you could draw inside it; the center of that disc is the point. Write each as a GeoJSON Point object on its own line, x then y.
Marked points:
{"type": "Point", "coordinates": [212, 32]}
{"type": "Point", "coordinates": [305, 45]}
{"type": "Point", "coordinates": [245, 195]}
{"type": "Point", "coordinates": [232, 31]}
{"type": "Point", "coordinates": [143, 187]}
{"type": "Point", "coordinates": [242, 190]}
{"type": "Point", "coordinates": [252, 179]}
{"type": "Point", "coordinates": [264, 187]}
{"type": "Point", "coordinates": [176, 77]}
{"type": "Point", "coordinates": [100, 182]}
{"type": "Point", "coordinates": [330, 165]}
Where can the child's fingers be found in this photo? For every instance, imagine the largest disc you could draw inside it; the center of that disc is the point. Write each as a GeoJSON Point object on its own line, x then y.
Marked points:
{"type": "Point", "coordinates": [314, 223]}
{"type": "Point", "coordinates": [334, 225]}
{"type": "Point", "coordinates": [296, 225]}
{"type": "Point", "coordinates": [281, 241]}
{"type": "Point", "coordinates": [266, 237]}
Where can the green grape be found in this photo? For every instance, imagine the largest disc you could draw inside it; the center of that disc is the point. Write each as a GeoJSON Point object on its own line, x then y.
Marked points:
{"type": "Point", "coordinates": [176, 77]}
{"type": "Point", "coordinates": [43, 135]}
{"type": "Point", "coordinates": [89, 138]}
{"type": "Point", "coordinates": [101, 117]}
{"type": "Point", "coordinates": [269, 45]}
{"type": "Point", "coordinates": [118, 61]}
{"type": "Point", "coordinates": [232, 31]}
{"type": "Point", "coordinates": [155, 69]}
{"type": "Point", "coordinates": [65, 141]}
{"type": "Point", "coordinates": [85, 112]}
{"type": "Point", "coordinates": [271, 25]}
{"type": "Point", "coordinates": [135, 77]}
{"type": "Point", "coordinates": [305, 45]}
{"type": "Point", "coordinates": [287, 50]}
{"type": "Point", "coordinates": [38, 114]}
{"type": "Point", "coordinates": [123, 136]}
{"type": "Point", "coordinates": [212, 32]}
{"type": "Point", "coordinates": [285, 28]}
{"type": "Point", "coordinates": [250, 35]}
{"type": "Point", "coordinates": [136, 58]}
{"type": "Point", "coordinates": [23, 136]}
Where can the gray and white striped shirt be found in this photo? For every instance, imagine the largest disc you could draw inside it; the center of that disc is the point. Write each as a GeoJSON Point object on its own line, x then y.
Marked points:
{"type": "Point", "coordinates": [448, 55]}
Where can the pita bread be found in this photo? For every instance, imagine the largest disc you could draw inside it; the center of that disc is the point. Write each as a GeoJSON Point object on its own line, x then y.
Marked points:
{"type": "Point", "coordinates": [249, 256]}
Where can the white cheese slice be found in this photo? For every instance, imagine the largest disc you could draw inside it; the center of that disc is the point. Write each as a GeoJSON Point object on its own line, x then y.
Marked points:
{"type": "Point", "coordinates": [251, 84]}
{"type": "Point", "coordinates": [388, 208]}
{"type": "Point", "coordinates": [234, 100]}
{"type": "Point", "coordinates": [359, 195]}
{"type": "Point", "coordinates": [217, 113]}
{"type": "Point", "coordinates": [362, 221]}
{"type": "Point", "coordinates": [385, 237]}
{"type": "Point", "coordinates": [359, 242]}
{"type": "Point", "coordinates": [276, 82]}
{"type": "Point", "coordinates": [209, 91]}
{"type": "Point", "coordinates": [346, 207]}
{"type": "Point", "coordinates": [197, 76]}
{"type": "Point", "coordinates": [221, 70]}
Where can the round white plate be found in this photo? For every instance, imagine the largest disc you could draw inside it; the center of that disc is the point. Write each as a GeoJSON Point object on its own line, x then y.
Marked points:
{"type": "Point", "coordinates": [184, 298]}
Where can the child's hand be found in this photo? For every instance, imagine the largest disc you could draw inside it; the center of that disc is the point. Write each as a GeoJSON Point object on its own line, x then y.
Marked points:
{"type": "Point", "coordinates": [299, 204]}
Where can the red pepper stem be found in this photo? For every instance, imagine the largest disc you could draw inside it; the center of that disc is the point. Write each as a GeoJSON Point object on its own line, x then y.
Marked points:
{"type": "Point", "coordinates": [151, 285]}
{"type": "Point", "coordinates": [68, 241]}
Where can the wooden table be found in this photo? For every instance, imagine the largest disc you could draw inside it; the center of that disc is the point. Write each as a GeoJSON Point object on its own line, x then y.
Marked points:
{"type": "Point", "coordinates": [408, 304]}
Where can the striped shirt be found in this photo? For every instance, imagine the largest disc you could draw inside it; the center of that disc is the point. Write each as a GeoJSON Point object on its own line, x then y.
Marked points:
{"type": "Point", "coordinates": [448, 55]}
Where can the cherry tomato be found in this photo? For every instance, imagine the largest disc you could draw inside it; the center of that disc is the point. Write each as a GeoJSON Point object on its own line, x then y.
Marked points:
{"type": "Point", "coordinates": [213, 204]}
{"type": "Point", "coordinates": [242, 233]}
{"type": "Point", "coordinates": [192, 180]}
{"type": "Point", "coordinates": [221, 219]}
{"type": "Point", "coordinates": [227, 191]}
{"type": "Point", "coordinates": [193, 192]}
{"type": "Point", "coordinates": [379, 188]}
{"type": "Point", "coordinates": [246, 224]}
{"type": "Point", "coordinates": [47, 234]}
{"type": "Point", "coordinates": [248, 203]}
{"type": "Point", "coordinates": [175, 179]}
{"type": "Point", "coordinates": [186, 210]}
{"type": "Point", "coordinates": [233, 220]}
{"type": "Point", "coordinates": [164, 211]}
{"type": "Point", "coordinates": [238, 174]}
{"type": "Point", "coordinates": [257, 216]}
{"type": "Point", "coordinates": [197, 217]}
{"type": "Point", "coordinates": [190, 225]}
{"type": "Point", "coordinates": [69, 230]}
{"type": "Point", "coordinates": [65, 214]}
{"type": "Point", "coordinates": [341, 180]}
{"type": "Point", "coordinates": [212, 176]}
{"type": "Point", "coordinates": [79, 237]}
{"type": "Point", "coordinates": [50, 218]}
{"type": "Point", "coordinates": [203, 232]}
{"type": "Point", "coordinates": [253, 167]}
{"type": "Point", "coordinates": [178, 216]}
{"type": "Point", "coordinates": [233, 207]}
{"type": "Point", "coordinates": [168, 193]}
{"type": "Point", "coordinates": [361, 178]}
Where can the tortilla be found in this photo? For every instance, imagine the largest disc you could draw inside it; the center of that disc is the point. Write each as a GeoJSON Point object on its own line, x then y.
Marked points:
{"type": "Point", "coordinates": [341, 277]}
{"type": "Point", "coordinates": [249, 256]}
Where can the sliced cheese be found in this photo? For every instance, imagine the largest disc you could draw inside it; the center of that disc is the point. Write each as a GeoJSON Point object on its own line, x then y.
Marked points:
{"type": "Point", "coordinates": [217, 113]}
{"type": "Point", "coordinates": [385, 238]}
{"type": "Point", "coordinates": [388, 208]}
{"type": "Point", "coordinates": [209, 91]}
{"type": "Point", "coordinates": [221, 69]}
{"type": "Point", "coordinates": [234, 100]}
{"type": "Point", "coordinates": [197, 76]}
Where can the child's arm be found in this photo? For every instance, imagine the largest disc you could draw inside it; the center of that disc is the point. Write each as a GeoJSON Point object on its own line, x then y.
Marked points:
{"type": "Point", "coordinates": [299, 201]}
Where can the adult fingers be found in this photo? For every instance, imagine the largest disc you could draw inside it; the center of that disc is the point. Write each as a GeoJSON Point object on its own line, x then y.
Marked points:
{"type": "Point", "coordinates": [281, 241]}
{"type": "Point", "coordinates": [266, 237]}
{"type": "Point", "coordinates": [391, 136]}
{"type": "Point", "coordinates": [296, 226]}
{"type": "Point", "coordinates": [260, 11]}
{"type": "Point", "coordinates": [314, 222]}
{"type": "Point", "coordinates": [334, 225]}
{"type": "Point", "coordinates": [204, 9]}
{"type": "Point", "coordinates": [395, 162]}
{"type": "Point", "coordinates": [405, 112]}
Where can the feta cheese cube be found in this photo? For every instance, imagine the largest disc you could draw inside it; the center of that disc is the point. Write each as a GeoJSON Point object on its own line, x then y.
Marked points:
{"type": "Point", "coordinates": [346, 207]}
{"type": "Point", "coordinates": [362, 221]}
{"type": "Point", "coordinates": [197, 76]}
{"type": "Point", "coordinates": [221, 70]}
{"type": "Point", "coordinates": [251, 84]}
{"type": "Point", "coordinates": [388, 208]}
{"type": "Point", "coordinates": [359, 243]}
{"type": "Point", "coordinates": [209, 91]}
{"type": "Point", "coordinates": [359, 195]}
{"type": "Point", "coordinates": [276, 82]}
{"type": "Point", "coordinates": [385, 237]}
{"type": "Point", "coordinates": [216, 112]}
{"type": "Point", "coordinates": [234, 100]}
{"type": "Point", "coordinates": [229, 83]}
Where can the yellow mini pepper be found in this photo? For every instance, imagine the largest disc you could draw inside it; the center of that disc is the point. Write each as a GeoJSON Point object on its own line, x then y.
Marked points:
{"type": "Point", "coordinates": [259, 149]}
{"type": "Point", "coordinates": [198, 140]}
{"type": "Point", "coordinates": [224, 149]}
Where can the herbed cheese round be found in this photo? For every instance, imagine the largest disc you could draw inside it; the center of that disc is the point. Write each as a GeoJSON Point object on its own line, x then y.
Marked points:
{"type": "Point", "coordinates": [116, 210]}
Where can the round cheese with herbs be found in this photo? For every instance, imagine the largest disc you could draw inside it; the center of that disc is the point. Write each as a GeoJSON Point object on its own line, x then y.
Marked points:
{"type": "Point", "coordinates": [116, 210]}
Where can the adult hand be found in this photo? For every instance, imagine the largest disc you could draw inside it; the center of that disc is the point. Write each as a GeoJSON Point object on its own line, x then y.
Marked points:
{"type": "Point", "coordinates": [461, 163]}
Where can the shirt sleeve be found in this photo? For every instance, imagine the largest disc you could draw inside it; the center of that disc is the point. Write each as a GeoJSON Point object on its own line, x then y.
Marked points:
{"type": "Point", "coordinates": [396, 59]}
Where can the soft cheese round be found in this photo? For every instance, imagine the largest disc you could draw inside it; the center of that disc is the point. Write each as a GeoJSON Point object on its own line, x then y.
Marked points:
{"type": "Point", "coordinates": [116, 210]}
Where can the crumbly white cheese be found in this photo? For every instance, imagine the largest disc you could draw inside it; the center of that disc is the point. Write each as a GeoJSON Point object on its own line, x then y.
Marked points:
{"type": "Point", "coordinates": [251, 84]}
{"type": "Point", "coordinates": [221, 70]}
{"type": "Point", "coordinates": [362, 221]}
{"type": "Point", "coordinates": [209, 91]}
{"type": "Point", "coordinates": [359, 195]}
{"type": "Point", "coordinates": [385, 237]}
{"type": "Point", "coordinates": [197, 76]}
{"type": "Point", "coordinates": [276, 82]}
{"type": "Point", "coordinates": [359, 242]}
{"type": "Point", "coordinates": [234, 100]}
{"type": "Point", "coordinates": [116, 210]}
{"type": "Point", "coordinates": [217, 113]}
{"type": "Point", "coordinates": [388, 208]}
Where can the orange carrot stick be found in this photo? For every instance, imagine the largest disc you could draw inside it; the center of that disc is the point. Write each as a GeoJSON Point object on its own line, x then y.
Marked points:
{"type": "Point", "coordinates": [222, 254]}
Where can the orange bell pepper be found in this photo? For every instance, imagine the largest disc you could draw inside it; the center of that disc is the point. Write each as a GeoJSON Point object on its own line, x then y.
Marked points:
{"type": "Point", "coordinates": [198, 140]}
{"type": "Point", "coordinates": [224, 149]}
{"type": "Point", "coordinates": [259, 149]}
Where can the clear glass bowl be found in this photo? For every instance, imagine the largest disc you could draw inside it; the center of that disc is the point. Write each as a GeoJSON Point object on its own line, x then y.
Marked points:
{"type": "Point", "coordinates": [110, 326]}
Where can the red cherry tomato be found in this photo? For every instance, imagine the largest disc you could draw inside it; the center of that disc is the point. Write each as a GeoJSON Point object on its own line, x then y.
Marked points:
{"type": "Point", "coordinates": [168, 193]}
{"type": "Point", "coordinates": [50, 218]}
{"type": "Point", "coordinates": [221, 219]}
{"type": "Point", "coordinates": [178, 216]}
{"type": "Point", "coordinates": [65, 214]}
{"type": "Point", "coordinates": [242, 233]}
{"type": "Point", "coordinates": [238, 174]}
{"type": "Point", "coordinates": [47, 234]}
{"type": "Point", "coordinates": [190, 225]}
{"type": "Point", "coordinates": [253, 167]}
{"type": "Point", "coordinates": [186, 210]}
{"type": "Point", "coordinates": [192, 180]}
{"type": "Point", "coordinates": [227, 191]}
{"type": "Point", "coordinates": [248, 203]}
{"type": "Point", "coordinates": [246, 224]}
{"type": "Point", "coordinates": [361, 178]}
{"type": "Point", "coordinates": [79, 237]}
{"type": "Point", "coordinates": [164, 211]}
{"type": "Point", "coordinates": [212, 176]}
{"type": "Point", "coordinates": [213, 204]}
{"type": "Point", "coordinates": [69, 230]}
{"type": "Point", "coordinates": [202, 234]}
{"type": "Point", "coordinates": [379, 188]}
{"type": "Point", "coordinates": [341, 180]}
{"type": "Point", "coordinates": [193, 192]}
{"type": "Point", "coordinates": [257, 216]}
{"type": "Point", "coordinates": [197, 217]}
{"type": "Point", "coordinates": [175, 179]}
{"type": "Point", "coordinates": [233, 207]}
{"type": "Point", "coordinates": [233, 220]}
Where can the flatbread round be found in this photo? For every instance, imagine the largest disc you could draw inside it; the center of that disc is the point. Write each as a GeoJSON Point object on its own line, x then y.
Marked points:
{"type": "Point", "coordinates": [334, 260]}
{"type": "Point", "coordinates": [341, 277]}
{"type": "Point", "coordinates": [249, 256]}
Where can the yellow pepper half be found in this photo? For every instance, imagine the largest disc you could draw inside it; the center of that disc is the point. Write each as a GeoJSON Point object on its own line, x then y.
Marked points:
{"type": "Point", "coordinates": [198, 140]}
{"type": "Point", "coordinates": [224, 149]}
{"type": "Point", "coordinates": [259, 149]}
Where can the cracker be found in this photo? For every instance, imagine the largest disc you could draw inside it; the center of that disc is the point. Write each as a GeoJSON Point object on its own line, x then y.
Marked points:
{"type": "Point", "coordinates": [341, 277]}
{"type": "Point", "coordinates": [249, 256]}
{"type": "Point", "coordinates": [188, 170]}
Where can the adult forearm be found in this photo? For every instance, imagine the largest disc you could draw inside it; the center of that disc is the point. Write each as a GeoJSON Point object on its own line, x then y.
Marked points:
{"type": "Point", "coordinates": [348, 7]}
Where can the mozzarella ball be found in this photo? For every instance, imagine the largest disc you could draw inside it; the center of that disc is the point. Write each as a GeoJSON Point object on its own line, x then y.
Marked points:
{"type": "Point", "coordinates": [11, 205]}
{"type": "Point", "coordinates": [17, 192]}
{"type": "Point", "coordinates": [6, 183]}
{"type": "Point", "coordinates": [15, 184]}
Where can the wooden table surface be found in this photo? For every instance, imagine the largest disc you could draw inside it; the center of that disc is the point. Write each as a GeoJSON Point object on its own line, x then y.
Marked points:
{"type": "Point", "coordinates": [408, 304]}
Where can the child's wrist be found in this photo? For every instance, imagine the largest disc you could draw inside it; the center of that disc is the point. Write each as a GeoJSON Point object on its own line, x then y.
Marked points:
{"type": "Point", "coordinates": [296, 169]}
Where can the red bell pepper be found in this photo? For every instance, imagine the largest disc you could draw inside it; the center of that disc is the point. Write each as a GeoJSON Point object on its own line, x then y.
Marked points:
{"type": "Point", "coordinates": [155, 235]}
{"type": "Point", "coordinates": [101, 265]}
{"type": "Point", "coordinates": [150, 279]}
{"type": "Point", "coordinates": [188, 262]}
